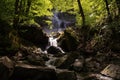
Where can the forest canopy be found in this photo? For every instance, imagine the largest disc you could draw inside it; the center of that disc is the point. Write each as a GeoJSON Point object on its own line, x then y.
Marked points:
{"type": "Point", "coordinates": [93, 11]}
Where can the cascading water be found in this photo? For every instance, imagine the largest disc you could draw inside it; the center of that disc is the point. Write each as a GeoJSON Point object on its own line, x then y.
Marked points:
{"type": "Point", "coordinates": [53, 42]}
{"type": "Point", "coordinates": [60, 21]}
{"type": "Point", "coordinates": [59, 25]}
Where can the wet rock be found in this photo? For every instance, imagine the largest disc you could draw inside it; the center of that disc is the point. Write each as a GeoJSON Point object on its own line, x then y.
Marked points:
{"type": "Point", "coordinates": [28, 72]}
{"type": "Point", "coordinates": [78, 65]}
{"type": "Point", "coordinates": [97, 77]}
{"type": "Point", "coordinates": [112, 70]}
{"type": "Point", "coordinates": [66, 61]}
{"type": "Point", "coordinates": [53, 50]}
{"type": "Point", "coordinates": [66, 75]}
{"type": "Point", "coordinates": [35, 60]}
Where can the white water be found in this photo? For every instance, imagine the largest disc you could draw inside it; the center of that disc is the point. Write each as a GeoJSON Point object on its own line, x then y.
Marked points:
{"type": "Point", "coordinates": [53, 42]}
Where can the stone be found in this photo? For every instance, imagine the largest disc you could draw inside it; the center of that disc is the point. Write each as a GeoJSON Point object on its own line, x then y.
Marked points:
{"type": "Point", "coordinates": [68, 42]}
{"type": "Point", "coordinates": [97, 77]}
{"type": "Point", "coordinates": [66, 61]}
{"type": "Point", "coordinates": [34, 34]}
{"type": "Point", "coordinates": [35, 60]}
{"type": "Point", "coordinates": [4, 72]}
{"type": "Point", "coordinates": [53, 50]}
{"type": "Point", "coordinates": [29, 72]}
{"type": "Point", "coordinates": [66, 75]}
{"type": "Point", "coordinates": [6, 68]}
{"type": "Point", "coordinates": [112, 70]}
{"type": "Point", "coordinates": [78, 65]}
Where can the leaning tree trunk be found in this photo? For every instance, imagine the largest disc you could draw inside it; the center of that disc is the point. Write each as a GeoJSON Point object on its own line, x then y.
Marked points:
{"type": "Point", "coordinates": [108, 10]}
{"type": "Point", "coordinates": [81, 12]}
{"type": "Point", "coordinates": [118, 5]}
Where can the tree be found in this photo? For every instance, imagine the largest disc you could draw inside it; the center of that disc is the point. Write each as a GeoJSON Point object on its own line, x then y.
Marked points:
{"type": "Point", "coordinates": [7, 10]}
{"type": "Point", "coordinates": [81, 12]}
{"type": "Point", "coordinates": [108, 10]}
{"type": "Point", "coordinates": [118, 5]}
{"type": "Point", "coordinates": [21, 10]}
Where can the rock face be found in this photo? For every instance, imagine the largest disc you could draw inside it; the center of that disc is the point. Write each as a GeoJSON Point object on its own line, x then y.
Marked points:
{"type": "Point", "coordinates": [34, 34]}
{"type": "Point", "coordinates": [112, 70]}
{"type": "Point", "coordinates": [68, 42]}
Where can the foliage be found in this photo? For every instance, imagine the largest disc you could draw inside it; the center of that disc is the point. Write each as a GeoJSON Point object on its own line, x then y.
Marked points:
{"type": "Point", "coordinates": [6, 9]}
{"type": "Point", "coordinates": [40, 7]}
{"type": "Point", "coordinates": [94, 10]}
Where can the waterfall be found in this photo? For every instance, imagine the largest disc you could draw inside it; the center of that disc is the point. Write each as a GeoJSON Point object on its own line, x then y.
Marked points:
{"type": "Point", "coordinates": [60, 21]}
{"type": "Point", "coordinates": [58, 24]}
{"type": "Point", "coordinates": [53, 42]}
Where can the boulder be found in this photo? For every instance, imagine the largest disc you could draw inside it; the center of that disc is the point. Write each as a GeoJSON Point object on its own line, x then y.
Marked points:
{"type": "Point", "coordinates": [28, 72]}
{"type": "Point", "coordinates": [112, 70]}
{"type": "Point", "coordinates": [35, 60]}
{"type": "Point", "coordinates": [4, 72]}
{"type": "Point", "coordinates": [66, 61]}
{"type": "Point", "coordinates": [53, 50]}
{"type": "Point", "coordinates": [6, 68]}
{"type": "Point", "coordinates": [68, 42]}
{"type": "Point", "coordinates": [78, 64]}
{"type": "Point", "coordinates": [66, 75]}
{"type": "Point", "coordinates": [97, 77]}
{"type": "Point", "coordinates": [34, 34]}
{"type": "Point", "coordinates": [93, 66]}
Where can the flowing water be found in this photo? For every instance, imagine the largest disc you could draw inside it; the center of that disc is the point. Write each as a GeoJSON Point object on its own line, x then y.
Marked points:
{"type": "Point", "coordinates": [59, 25]}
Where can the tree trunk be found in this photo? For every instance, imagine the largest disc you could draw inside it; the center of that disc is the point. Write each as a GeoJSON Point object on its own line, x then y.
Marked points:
{"type": "Point", "coordinates": [16, 12]}
{"type": "Point", "coordinates": [108, 11]}
{"type": "Point", "coordinates": [118, 5]}
{"type": "Point", "coordinates": [28, 6]}
{"type": "Point", "coordinates": [81, 12]}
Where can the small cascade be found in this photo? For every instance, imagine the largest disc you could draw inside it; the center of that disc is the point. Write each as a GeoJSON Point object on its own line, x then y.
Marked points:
{"type": "Point", "coordinates": [51, 61]}
{"type": "Point", "coordinates": [53, 42]}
